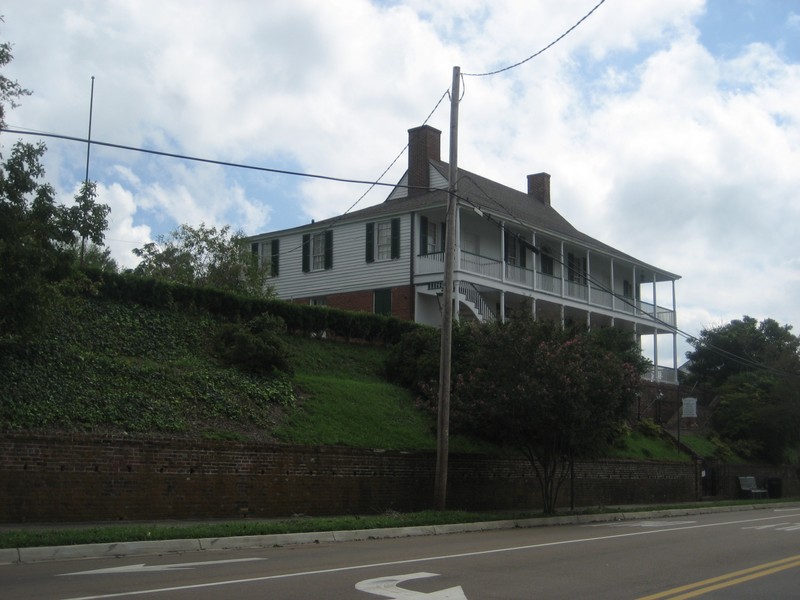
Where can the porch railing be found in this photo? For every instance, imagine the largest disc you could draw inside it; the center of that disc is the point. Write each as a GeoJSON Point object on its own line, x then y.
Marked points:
{"type": "Point", "coordinates": [661, 374]}
{"type": "Point", "coordinates": [492, 268]}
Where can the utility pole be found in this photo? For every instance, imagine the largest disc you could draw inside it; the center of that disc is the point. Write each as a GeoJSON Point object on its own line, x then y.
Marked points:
{"type": "Point", "coordinates": [89, 138]}
{"type": "Point", "coordinates": [443, 422]}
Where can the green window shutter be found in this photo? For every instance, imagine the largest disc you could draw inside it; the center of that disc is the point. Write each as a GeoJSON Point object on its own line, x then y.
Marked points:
{"type": "Point", "coordinates": [329, 249]}
{"type": "Point", "coordinates": [423, 235]}
{"type": "Point", "coordinates": [254, 248]}
{"type": "Point", "coordinates": [395, 238]}
{"type": "Point", "coordinates": [383, 302]}
{"type": "Point", "coordinates": [442, 243]}
{"type": "Point", "coordinates": [523, 255]}
{"type": "Point", "coordinates": [306, 252]}
{"type": "Point", "coordinates": [370, 242]}
{"type": "Point", "coordinates": [275, 255]}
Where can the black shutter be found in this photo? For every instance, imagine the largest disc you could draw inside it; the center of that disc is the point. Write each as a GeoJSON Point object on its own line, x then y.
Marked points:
{"type": "Point", "coordinates": [275, 256]}
{"type": "Point", "coordinates": [444, 237]}
{"type": "Point", "coordinates": [423, 235]}
{"type": "Point", "coordinates": [329, 249]}
{"type": "Point", "coordinates": [506, 240]}
{"type": "Point", "coordinates": [395, 238]}
{"type": "Point", "coordinates": [370, 242]}
{"type": "Point", "coordinates": [523, 255]}
{"type": "Point", "coordinates": [254, 248]}
{"type": "Point", "coordinates": [306, 252]}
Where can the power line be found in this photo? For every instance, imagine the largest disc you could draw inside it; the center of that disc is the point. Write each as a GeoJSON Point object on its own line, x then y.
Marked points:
{"type": "Point", "coordinates": [534, 55]}
{"type": "Point", "coordinates": [196, 158]}
{"type": "Point", "coordinates": [725, 354]}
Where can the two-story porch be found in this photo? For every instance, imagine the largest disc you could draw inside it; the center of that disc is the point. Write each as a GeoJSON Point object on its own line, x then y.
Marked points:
{"type": "Point", "coordinates": [502, 267]}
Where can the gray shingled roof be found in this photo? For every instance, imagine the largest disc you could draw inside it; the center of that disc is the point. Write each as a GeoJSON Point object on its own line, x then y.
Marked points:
{"type": "Point", "coordinates": [496, 199]}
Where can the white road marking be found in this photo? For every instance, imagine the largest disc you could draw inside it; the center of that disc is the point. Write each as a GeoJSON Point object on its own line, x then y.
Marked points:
{"type": "Point", "coordinates": [388, 588]}
{"type": "Point", "coordinates": [645, 524]}
{"type": "Point", "coordinates": [424, 559]}
{"type": "Point", "coordinates": [771, 526]}
{"type": "Point", "coordinates": [143, 568]}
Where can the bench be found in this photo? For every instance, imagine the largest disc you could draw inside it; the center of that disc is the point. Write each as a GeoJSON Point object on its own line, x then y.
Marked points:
{"type": "Point", "coordinates": [749, 489]}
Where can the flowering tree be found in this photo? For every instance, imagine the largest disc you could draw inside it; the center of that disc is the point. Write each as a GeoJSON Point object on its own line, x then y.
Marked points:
{"type": "Point", "coordinates": [555, 395]}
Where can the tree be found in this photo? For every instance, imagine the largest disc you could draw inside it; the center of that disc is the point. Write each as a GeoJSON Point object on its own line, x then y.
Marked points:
{"type": "Point", "coordinates": [205, 257]}
{"type": "Point", "coordinates": [754, 369]}
{"type": "Point", "coordinates": [88, 218]}
{"type": "Point", "coordinates": [34, 236]}
{"type": "Point", "coordinates": [10, 91]}
{"type": "Point", "coordinates": [741, 346]}
{"type": "Point", "coordinates": [554, 394]}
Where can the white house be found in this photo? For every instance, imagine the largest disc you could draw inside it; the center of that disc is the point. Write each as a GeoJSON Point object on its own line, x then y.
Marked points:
{"type": "Point", "coordinates": [513, 251]}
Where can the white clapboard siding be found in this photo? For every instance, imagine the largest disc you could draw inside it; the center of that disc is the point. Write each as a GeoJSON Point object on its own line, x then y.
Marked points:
{"type": "Point", "coordinates": [350, 270]}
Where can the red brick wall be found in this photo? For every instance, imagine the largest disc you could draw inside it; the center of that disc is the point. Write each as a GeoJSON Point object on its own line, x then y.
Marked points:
{"type": "Point", "coordinates": [82, 478]}
{"type": "Point", "coordinates": [363, 301]}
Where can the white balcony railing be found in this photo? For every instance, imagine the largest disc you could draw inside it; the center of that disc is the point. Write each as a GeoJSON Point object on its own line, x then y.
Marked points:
{"type": "Point", "coordinates": [492, 268]}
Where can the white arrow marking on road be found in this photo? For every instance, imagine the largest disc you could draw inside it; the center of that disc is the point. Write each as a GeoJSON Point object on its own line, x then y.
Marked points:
{"type": "Point", "coordinates": [387, 587]}
{"type": "Point", "coordinates": [142, 568]}
{"type": "Point", "coordinates": [772, 526]}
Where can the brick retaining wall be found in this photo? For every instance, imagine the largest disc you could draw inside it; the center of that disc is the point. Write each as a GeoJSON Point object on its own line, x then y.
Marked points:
{"type": "Point", "coordinates": [82, 477]}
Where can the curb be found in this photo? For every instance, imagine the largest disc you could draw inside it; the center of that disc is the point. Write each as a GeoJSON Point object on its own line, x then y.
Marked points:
{"type": "Point", "coordinates": [125, 549]}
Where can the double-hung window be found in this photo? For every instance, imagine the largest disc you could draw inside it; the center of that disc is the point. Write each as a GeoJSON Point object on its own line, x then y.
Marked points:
{"type": "Point", "coordinates": [383, 240]}
{"type": "Point", "coordinates": [317, 251]}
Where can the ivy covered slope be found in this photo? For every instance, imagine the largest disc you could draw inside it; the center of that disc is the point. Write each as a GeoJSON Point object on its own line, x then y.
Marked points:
{"type": "Point", "coordinates": [106, 366]}
{"type": "Point", "coordinates": [111, 367]}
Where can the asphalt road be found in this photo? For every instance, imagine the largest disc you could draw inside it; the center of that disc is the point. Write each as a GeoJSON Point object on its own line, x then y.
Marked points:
{"type": "Point", "coordinates": [748, 554]}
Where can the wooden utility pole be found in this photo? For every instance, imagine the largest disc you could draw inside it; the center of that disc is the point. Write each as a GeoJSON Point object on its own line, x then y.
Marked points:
{"type": "Point", "coordinates": [443, 423]}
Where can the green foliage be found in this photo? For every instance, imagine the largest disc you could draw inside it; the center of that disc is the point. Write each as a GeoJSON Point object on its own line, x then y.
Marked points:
{"type": "Point", "coordinates": [88, 218]}
{"type": "Point", "coordinates": [107, 366]}
{"type": "Point", "coordinates": [10, 91]}
{"type": "Point", "coordinates": [414, 361]}
{"type": "Point", "coordinates": [754, 368]}
{"type": "Point", "coordinates": [204, 257]}
{"type": "Point", "coordinates": [255, 347]}
{"type": "Point", "coordinates": [33, 233]}
{"type": "Point", "coordinates": [742, 346]}
{"type": "Point", "coordinates": [553, 394]}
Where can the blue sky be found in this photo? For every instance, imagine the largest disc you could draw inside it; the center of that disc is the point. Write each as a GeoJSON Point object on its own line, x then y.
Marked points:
{"type": "Point", "coordinates": [671, 129]}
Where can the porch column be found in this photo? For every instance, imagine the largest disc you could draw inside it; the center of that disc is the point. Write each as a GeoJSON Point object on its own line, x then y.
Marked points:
{"type": "Point", "coordinates": [674, 333]}
{"type": "Point", "coordinates": [562, 316]}
{"type": "Point", "coordinates": [533, 308]}
{"type": "Point", "coordinates": [588, 278]}
{"type": "Point", "coordinates": [655, 353]}
{"type": "Point", "coordinates": [503, 253]}
{"type": "Point", "coordinates": [655, 299]}
{"type": "Point", "coordinates": [458, 246]}
{"type": "Point", "coordinates": [502, 306]}
{"type": "Point", "coordinates": [563, 281]}
{"type": "Point", "coordinates": [613, 290]}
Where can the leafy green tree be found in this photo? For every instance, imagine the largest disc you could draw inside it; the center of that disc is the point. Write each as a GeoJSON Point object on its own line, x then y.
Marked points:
{"type": "Point", "coordinates": [204, 256]}
{"type": "Point", "coordinates": [554, 394]}
{"type": "Point", "coordinates": [88, 218]}
{"type": "Point", "coordinates": [34, 235]}
{"type": "Point", "coordinates": [754, 369]}
{"type": "Point", "coordinates": [10, 91]}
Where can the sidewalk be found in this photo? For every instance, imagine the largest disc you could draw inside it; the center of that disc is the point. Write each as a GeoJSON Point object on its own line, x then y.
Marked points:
{"type": "Point", "coordinates": [143, 548]}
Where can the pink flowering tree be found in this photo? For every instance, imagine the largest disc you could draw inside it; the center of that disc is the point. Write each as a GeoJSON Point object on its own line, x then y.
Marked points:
{"type": "Point", "coordinates": [554, 394]}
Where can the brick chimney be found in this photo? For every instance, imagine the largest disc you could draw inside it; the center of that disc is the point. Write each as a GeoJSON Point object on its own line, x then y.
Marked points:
{"type": "Point", "coordinates": [424, 143]}
{"type": "Point", "coordinates": [539, 187]}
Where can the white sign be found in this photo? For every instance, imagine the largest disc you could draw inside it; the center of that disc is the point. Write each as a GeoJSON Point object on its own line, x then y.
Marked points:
{"type": "Point", "coordinates": [689, 408]}
{"type": "Point", "coordinates": [388, 588]}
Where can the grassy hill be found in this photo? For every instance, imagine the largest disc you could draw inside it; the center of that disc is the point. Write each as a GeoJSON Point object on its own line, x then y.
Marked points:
{"type": "Point", "coordinates": [112, 367]}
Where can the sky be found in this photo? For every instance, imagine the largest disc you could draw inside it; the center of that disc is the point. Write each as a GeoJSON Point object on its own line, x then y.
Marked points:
{"type": "Point", "coordinates": [671, 129]}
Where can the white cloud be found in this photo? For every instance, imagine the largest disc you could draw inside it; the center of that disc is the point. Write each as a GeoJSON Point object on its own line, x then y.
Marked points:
{"type": "Point", "coordinates": [683, 158]}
